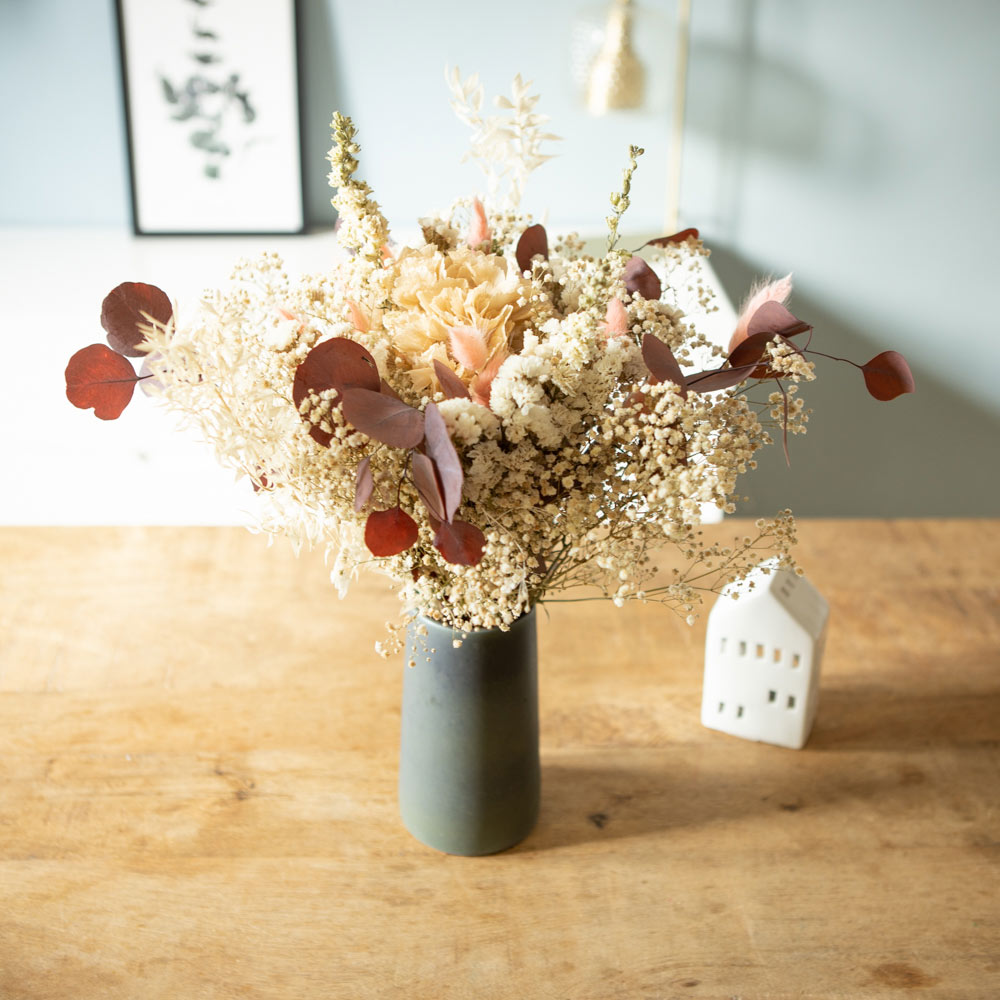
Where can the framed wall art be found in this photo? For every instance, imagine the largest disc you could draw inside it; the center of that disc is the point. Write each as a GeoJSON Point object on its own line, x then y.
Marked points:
{"type": "Point", "coordinates": [212, 113]}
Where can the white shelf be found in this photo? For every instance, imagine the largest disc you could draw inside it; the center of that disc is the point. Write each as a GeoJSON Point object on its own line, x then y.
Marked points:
{"type": "Point", "coordinates": [62, 466]}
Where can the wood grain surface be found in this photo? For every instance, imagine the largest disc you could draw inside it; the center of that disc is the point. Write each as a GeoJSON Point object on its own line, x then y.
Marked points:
{"type": "Point", "coordinates": [197, 789]}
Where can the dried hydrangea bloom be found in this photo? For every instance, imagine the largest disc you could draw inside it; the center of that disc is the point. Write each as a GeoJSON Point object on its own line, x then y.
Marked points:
{"type": "Point", "coordinates": [463, 308]}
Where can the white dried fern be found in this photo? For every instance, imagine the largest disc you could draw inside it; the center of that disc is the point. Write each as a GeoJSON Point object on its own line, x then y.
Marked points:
{"type": "Point", "coordinates": [507, 146]}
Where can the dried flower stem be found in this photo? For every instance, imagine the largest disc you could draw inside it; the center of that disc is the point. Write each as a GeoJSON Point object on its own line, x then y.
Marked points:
{"type": "Point", "coordinates": [620, 200]}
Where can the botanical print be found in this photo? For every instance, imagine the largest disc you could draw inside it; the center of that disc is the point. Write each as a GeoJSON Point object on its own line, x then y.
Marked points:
{"type": "Point", "coordinates": [213, 116]}
{"type": "Point", "coordinates": [211, 96]}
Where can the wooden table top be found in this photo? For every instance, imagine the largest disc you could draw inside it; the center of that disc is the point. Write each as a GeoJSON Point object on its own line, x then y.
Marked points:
{"type": "Point", "coordinates": [197, 789]}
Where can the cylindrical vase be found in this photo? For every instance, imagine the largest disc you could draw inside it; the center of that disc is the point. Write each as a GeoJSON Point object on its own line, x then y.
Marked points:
{"type": "Point", "coordinates": [469, 773]}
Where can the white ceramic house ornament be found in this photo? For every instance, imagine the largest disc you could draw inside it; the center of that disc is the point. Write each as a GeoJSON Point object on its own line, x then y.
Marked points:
{"type": "Point", "coordinates": [762, 657]}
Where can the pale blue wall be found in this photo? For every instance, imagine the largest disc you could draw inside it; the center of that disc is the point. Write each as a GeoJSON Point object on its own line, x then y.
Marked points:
{"type": "Point", "coordinates": [856, 143]}
{"type": "Point", "coordinates": [64, 158]}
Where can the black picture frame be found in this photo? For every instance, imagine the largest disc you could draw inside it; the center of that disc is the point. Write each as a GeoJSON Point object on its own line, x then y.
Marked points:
{"type": "Point", "coordinates": [213, 116]}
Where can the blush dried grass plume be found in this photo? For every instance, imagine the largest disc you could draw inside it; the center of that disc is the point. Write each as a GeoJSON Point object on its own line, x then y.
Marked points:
{"type": "Point", "coordinates": [768, 291]}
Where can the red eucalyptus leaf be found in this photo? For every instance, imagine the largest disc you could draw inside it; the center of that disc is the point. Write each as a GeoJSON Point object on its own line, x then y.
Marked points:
{"type": "Point", "coordinates": [335, 364]}
{"type": "Point", "coordinates": [426, 481]}
{"type": "Point", "coordinates": [534, 241]}
{"type": "Point", "coordinates": [338, 364]}
{"type": "Point", "coordinates": [387, 390]}
{"type": "Point", "coordinates": [128, 305]}
{"type": "Point", "coordinates": [389, 532]}
{"type": "Point", "coordinates": [641, 279]}
{"type": "Point", "coordinates": [451, 385]}
{"type": "Point", "coordinates": [888, 375]}
{"type": "Point", "coordinates": [98, 377]}
{"type": "Point", "coordinates": [460, 542]}
{"type": "Point", "coordinates": [661, 362]}
{"type": "Point", "coordinates": [682, 237]}
{"type": "Point", "coordinates": [771, 321]}
{"type": "Point", "coordinates": [751, 351]}
{"type": "Point", "coordinates": [773, 318]}
{"type": "Point", "coordinates": [320, 436]}
{"type": "Point", "coordinates": [720, 378]}
{"type": "Point", "coordinates": [442, 452]}
{"type": "Point", "coordinates": [364, 484]}
{"type": "Point", "coordinates": [383, 418]}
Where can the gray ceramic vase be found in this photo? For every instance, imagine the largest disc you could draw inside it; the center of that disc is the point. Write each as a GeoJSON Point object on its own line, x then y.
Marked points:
{"type": "Point", "coordinates": [469, 775]}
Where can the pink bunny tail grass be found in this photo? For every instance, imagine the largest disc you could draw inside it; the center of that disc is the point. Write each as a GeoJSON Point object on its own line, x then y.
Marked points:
{"type": "Point", "coordinates": [615, 320]}
{"type": "Point", "coordinates": [479, 228]}
{"type": "Point", "coordinates": [468, 347]}
{"type": "Point", "coordinates": [482, 384]}
{"type": "Point", "coordinates": [774, 291]}
{"type": "Point", "coordinates": [358, 318]}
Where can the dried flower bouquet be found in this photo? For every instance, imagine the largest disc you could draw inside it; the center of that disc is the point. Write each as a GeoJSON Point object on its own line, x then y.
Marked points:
{"type": "Point", "coordinates": [487, 418]}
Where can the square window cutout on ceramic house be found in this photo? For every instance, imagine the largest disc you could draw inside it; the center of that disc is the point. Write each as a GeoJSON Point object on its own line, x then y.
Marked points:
{"type": "Point", "coordinates": [763, 652]}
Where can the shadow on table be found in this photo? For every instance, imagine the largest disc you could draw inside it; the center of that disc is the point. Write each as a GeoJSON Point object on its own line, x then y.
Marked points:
{"type": "Point", "coordinates": [887, 719]}
{"type": "Point", "coordinates": [865, 753]}
{"type": "Point", "coordinates": [586, 797]}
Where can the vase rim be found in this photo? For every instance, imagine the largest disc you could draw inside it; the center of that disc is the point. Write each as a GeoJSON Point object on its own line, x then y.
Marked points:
{"type": "Point", "coordinates": [433, 622]}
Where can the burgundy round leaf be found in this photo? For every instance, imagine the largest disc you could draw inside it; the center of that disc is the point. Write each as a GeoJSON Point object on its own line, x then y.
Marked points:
{"type": "Point", "coordinates": [661, 362]}
{"type": "Point", "coordinates": [442, 452]}
{"type": "Point", "coordinates": [426, 481]}
{"type": "Point", "coordinates": [768, 322]}
{"type": "Point", "coordinates": [364, 484]}
{"type": "Point", "coordinates": [641, 279]}
{"type": "Point", "coordinates": [451, 385]}
{"type": "Point", "coordinates": [773, 318]}
{"type": "Point", "coordinates": [100, 378]}
{"type": "Point", "coordinates": [128, 305]}
{"type": "Point", "coordinates": [720, 378]}
{"type": "Point", "coordinates": [383, 418]}
{"type": "Point", "coordinates": [460, 542]}
{"type": "Point", "coordinates": [682, 237]}
{"type": "Point", "coordinates": [888, 375]}
{"type": "Point", "coordinates": [389, 532]}
{"type": "Point", "coordinates": [751, 352]}
{"type": "Point", "coordinates": [388, 390]}
{"type": "Point", "coordinates": [534, 241]}
{"type": "Point", "coordinates": [338, 364]}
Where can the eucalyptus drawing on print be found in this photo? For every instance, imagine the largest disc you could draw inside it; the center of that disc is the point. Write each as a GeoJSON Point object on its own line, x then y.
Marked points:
{"type": "Point", "coordinates": [213, 120]}
{"type": "Point", "coordinates": [211, 99]}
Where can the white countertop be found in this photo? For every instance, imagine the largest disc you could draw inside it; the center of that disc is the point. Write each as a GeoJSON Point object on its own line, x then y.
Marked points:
{"type": "Point", "coordinates": [62, 465]}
